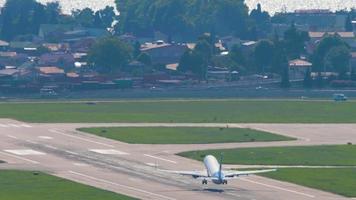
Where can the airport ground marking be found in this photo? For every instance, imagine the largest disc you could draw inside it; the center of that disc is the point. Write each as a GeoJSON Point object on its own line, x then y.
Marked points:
{"type": "Point", "coordinates": [278, 188]}
{"type": "Point", "coordinates": [25, 152]}
{"type": "Point", "coordinates": [108, 151]}
{"type": "Point", "coordinates": [120, 185]}
{"type": "Point", "coordinates": [159, 158]}
{"type": "Point", "coordinates": [20, 158]}
{"type": "Point", "coordinates": [44, 137]}
{"type": "Point", "coordinates": [13, 137]}
{"type": "Point", "coordinates": [51, 147]}
{"type": "Point", "coordinates": [3, 126]}
{"type": "Point", "coordinates": [79, 138]}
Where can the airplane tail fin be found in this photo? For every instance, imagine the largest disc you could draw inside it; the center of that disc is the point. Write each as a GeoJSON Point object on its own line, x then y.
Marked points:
{"type": "Point", "coordinates": [220, 167]}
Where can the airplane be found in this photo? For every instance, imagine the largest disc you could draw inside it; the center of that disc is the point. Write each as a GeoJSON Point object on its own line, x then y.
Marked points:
{"type": "Point", "coordinates": [215, 173]}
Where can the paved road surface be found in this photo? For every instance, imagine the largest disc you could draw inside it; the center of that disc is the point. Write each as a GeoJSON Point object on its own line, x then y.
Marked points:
{"type": "Point", "coordinates": [134, 169]}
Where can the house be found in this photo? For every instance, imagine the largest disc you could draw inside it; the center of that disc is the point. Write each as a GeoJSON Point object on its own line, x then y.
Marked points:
{"type": "Point", "coordinates": [316, 19]}
{"type": "Point", "coordinates": [51, 30]}
{"type": "Point", "coordinates": [230, 41]}
{"type": "Point", "coordinates": [50, 73]}
{"type": "Point", "coordinates": [4, 46]}
{"type": "Point", "coordinates": [29, 48]}
{"type": "Point", "coordinates": [54, 47]}
{"type": "Point", "coordinates": [61, 59]}
{"type": "Point", "coordinates": [316, 37]}
{"type": "Point", "coordinates": [164, 53]}
{"type": "Point", "coordinates": [298, 68]}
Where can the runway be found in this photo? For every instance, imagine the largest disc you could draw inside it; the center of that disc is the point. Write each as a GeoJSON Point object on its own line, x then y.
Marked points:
{"type": "Point", "coordinates": [134, 170]}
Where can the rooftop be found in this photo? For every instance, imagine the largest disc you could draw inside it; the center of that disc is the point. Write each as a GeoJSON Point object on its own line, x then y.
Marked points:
{"type": "Point", "coordinates": [51, 70]}
{"type": "Point", "coordinates": [341, 34]}
{"type": "Point", "coordinates": [299, 63]}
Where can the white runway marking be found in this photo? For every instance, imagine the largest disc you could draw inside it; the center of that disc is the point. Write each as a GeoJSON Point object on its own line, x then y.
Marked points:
{"type": "Point", "coordinates": [20, 158]}
{"type": "Point", "coordinates": [278, 188]}
{"type": "Point", "coordinates": [51, 147]}
{"type": "Point", "coordinates": [26, 125]}
{"type": "Point", "coordinates": [71, 152]}
{"type": "Point", "coordinates": [123, 186]}
{"type": "Point", "coordinates": [80, 164]}
{"type": "Point", "coordinates": [24, 152]}
{"type": "Point", "coordinates": [3, 126]}
{"type": "Point", "coordinates": [79, 138]}
{"type": "Point", "coordinates": [14, 125]}
{"type": "Point", "coordinates": [158, 158]}
{"type": "Point", "coordinates": [30, 141]}
{"type": "Point", "coordinates": [11, 136]}
{"type": "Point", "coordinates": [109, 151]}
{"type": "Point", "coordinates": [45, 137]}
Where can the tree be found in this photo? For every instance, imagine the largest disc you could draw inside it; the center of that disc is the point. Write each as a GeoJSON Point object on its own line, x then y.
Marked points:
{"type": "Point", "coordinates": [53, 11]}
{"type": "Point", "coordinates": [104, 18]}
{"type": "Point", "coordinates": [264, 52]}
{"type": "Point", "coordinates": [262, 19]}
{"type": "Point", "coordinates": [322, 49]}
{"type": "Point", "coordinates": [109, 55]}
{"type": "Point", "coordinates": [145, 58]}
{"type": "Point", "coordinates": [193, 61]}
{"type": "Point", "coordinates": [338, 59]}
{"type": "Point", "coordinates": [84, 17]}
{"type": "Point", "coordinates": [183, 18]}
{"type": "Point", "coordinates": [308, 81]}
{"type": "Point", "coordinates": [295, 41]}
{"type": "Point", "coordinates": [20, 17]}
{"type": "Point", "coordinates": [348, 24]}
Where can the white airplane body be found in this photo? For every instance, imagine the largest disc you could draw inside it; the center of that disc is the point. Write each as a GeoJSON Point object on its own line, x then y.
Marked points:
{"type": "Point", "coordinates": [215, 174]}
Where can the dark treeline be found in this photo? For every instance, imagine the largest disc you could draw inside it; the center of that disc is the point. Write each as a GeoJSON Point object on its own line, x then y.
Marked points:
{"type": "Point", "coordinates": [188, 19]}
{"type": "Point", "coordinates": [24, 17]}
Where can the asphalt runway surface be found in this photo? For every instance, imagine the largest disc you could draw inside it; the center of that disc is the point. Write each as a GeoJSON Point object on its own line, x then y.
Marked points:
{"type": "Point", "coordinates": [135, 170]}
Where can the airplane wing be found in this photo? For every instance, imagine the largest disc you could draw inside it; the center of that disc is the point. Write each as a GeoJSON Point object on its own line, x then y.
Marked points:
{"type": "Point", "coordinates": [234, 174]}
{"type": "Point", "coordinates": [194, 174]}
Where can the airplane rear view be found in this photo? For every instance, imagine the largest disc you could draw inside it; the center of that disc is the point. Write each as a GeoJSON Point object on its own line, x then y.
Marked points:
{"type": "Point", "coordinates": [216, 174]}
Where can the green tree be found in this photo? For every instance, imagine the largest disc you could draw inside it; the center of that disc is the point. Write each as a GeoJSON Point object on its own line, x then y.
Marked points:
{"type": "Point", "coordinates": [295, 41]}
{"type": "Point", "coordinates": [322, 49]}
{"type": "Point", "coordinates": [20, 17]}
{"type": "Point", "coordinates": [145, 58]}
{"type": "Point", "coordinates": [84, 17]}
{"type": "Point", "coordinates": [348, 24]}
{"type": "Point", "coordinates": [338, 59]}
{"type": "Point", "coordinates": [264, 52]}
{"type": "Point", "coordinates": [183, 18]}
{"type": "Point", "coordinates": [194, 62]}
{"type": "Point", "coordinates": [109, 55]}
{"type": "Point", "coordinates": [308, 81]}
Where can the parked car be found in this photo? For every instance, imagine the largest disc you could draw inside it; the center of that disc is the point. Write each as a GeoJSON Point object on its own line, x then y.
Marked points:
{"type": "Point", "coordinates": [339, 97]}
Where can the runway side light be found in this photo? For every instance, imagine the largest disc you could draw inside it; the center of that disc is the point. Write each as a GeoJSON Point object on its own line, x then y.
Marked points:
{"type": "Point", "coordinates": [36, 173]}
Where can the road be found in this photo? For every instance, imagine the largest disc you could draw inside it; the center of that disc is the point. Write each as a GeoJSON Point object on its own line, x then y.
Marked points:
{"type": "Point", "coordinates": [133, 169]}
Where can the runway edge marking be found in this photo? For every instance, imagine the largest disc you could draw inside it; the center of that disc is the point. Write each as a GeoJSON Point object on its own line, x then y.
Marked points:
{"type": "Point", "coordinates": [159, 158]}
{"type": "Point", "coordinates": [79, 138]}
{"type": "Point", "coordinates": [20, 158]}
{"type": "Point", "coordinates": [278, 188]}
{"type": "Point", "coordinates": [120, 185]}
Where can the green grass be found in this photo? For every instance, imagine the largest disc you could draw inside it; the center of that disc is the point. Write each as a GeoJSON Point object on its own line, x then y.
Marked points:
{"type": "Point", "coordinates": [184, 135]}
{"type": "Point", "coordinates": [339, 155]}
{"type": "Point", "coordinates": [21, 185]}
{"type": "Point", "coordinates": [338, 181]}
{"type": "Point", "coordinates": [243, 111]}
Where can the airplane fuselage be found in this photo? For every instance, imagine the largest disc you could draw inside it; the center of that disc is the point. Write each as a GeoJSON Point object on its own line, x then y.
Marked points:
{"type": "Point", "coordinates": [214, 171]}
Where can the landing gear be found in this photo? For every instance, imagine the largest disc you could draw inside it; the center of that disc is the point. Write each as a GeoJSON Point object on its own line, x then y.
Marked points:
{"type": "Point", "coordinates": [204, 182]}
{"type": "Point", "coordinates": [225, 182]}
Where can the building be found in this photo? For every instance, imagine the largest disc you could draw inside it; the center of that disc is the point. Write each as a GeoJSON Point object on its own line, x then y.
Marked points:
{"type": "Point", "coordinates": [298, 68]}
{"type": "Point", "coordinates": [58, 58]}
{"type": "Point", "coordinates": [316, 19]}
{"type": "Point", "coordinates": [164, 53]}
{"type": "Point", "coordinates": [316, 37]}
